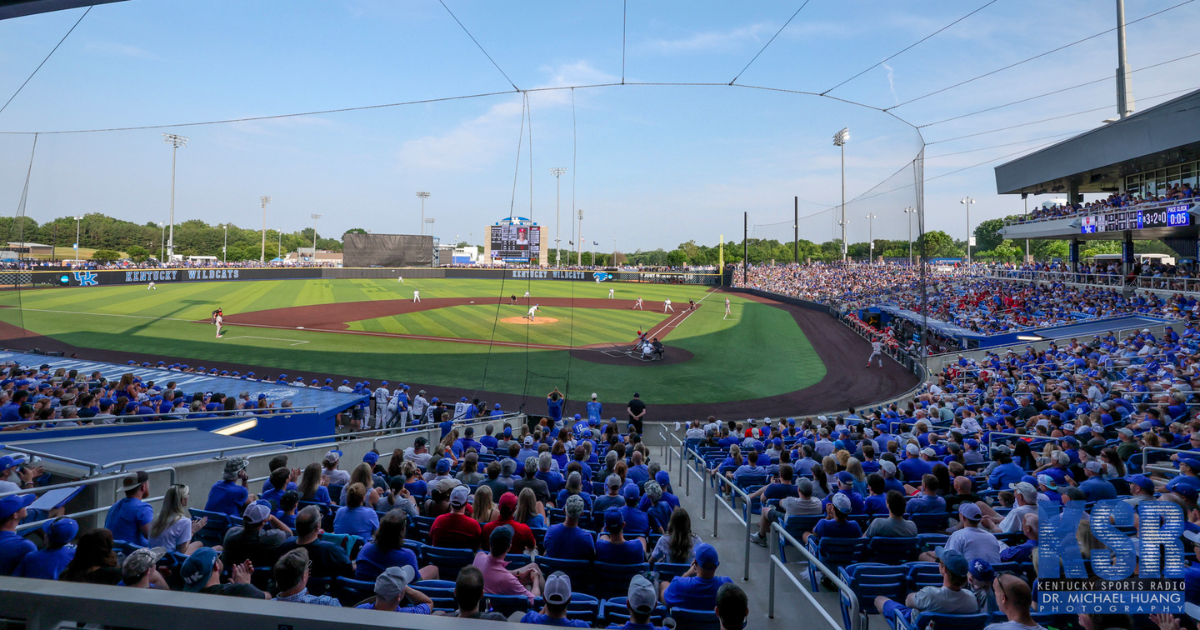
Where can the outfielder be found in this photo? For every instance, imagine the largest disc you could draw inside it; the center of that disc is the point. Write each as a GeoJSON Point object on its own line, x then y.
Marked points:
{"type": "Point", "coordinates": [667, 306]}
{"type": "Point", "coordinates": [416, 296]}
{"type": "Point", "coordinates": [532, 310]}
{"type": "Point", "coordinates": [400, 279]}
{"type": "Point", "coordinates": [218, 318]}
{"type": "Point", "coordinates": [876, 351]}
{"type": "Point", "coordinates": [727, 313]}
{"type": "Point", "coordinates": [638, 306]}
{"type": "Point", "coordinates": [610, 294]}
{"type": "Point", "coordinates": [151, 287]}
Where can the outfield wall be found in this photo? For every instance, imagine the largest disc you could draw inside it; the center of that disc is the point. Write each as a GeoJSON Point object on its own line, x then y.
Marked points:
{"type": "Point", "coordinates": [166, 276]}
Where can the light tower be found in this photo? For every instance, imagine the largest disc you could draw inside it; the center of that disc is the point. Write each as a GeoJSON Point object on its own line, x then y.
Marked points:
{"type": "Point", "coordinates": [557, 172]}
{"type": "Point", "coordinates": [315, 218]}
{"type": "Point", "coordinates": [175, 141]}
{"type": "Point", "coordinates": [871, 238]}
{"type": "Point", "coordinates": [423, 195]}
{"type": "Point", "coordinates": [839, 140]}
{"type": "Point", "coordinates": [262, 257]}
{"type": "Point", "coordinates": [967, 201]}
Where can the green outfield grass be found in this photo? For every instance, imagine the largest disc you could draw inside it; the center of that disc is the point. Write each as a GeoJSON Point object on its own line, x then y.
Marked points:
{"type": "Point", "coordinates": [575, 326]}
{"type": "Point", "coordinates": [759, 352]}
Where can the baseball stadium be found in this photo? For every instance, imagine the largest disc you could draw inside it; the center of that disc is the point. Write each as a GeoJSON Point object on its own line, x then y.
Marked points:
{"type": "Point", "coordinates": [343, 405]}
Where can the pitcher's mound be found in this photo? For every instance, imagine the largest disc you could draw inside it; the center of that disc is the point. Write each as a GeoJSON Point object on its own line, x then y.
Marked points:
{"type": "Point", "coordinates": [525, 320]}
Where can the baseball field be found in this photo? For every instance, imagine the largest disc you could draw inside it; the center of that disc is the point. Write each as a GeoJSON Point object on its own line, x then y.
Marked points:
{"type": "Point", "coordinates": [464, 337]}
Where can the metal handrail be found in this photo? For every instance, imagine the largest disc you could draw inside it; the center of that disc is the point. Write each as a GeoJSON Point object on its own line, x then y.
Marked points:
{"type": "Point", "coordinates": [430, 428]}
{"type": "Point", "coordinates": [17, 448]}
{"type": "Point", "coordinates": [748, 521]}
{"type": "Point", "coordinates": [172, 415]}
{"type": "Point", "coordinates": [777, 531]}
{"type": "Point", "coordinates": [82, 483]}
{"type": "Point", "coordinates": [1161, 449]}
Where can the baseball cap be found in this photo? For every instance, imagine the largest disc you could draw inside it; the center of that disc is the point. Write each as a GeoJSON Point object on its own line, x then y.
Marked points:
{"type": "Point", "coordinates": [1143, 482]}
{"type": "Point", "coordinates": [954, 561]}
{"type": "Point", "coordinates": [7, 462]}
{"type": "Point", "coordinates": [1048, 481]}
{"type": "Point", "coordinates": [256, 513]}
{"type": "Point", "coordinates": [60, 531]}
{"type": "Point", "coordinates": [630, 492]}
{"type": "Point", "coordinates": [501, 536]}
{"type": "Point", "coordinates": [845, 478]}
{"type": "Point", "coordinates": [1094, 466]}
{"type": "Point", "coordinates": [982, 570]}
{"type": "Point", "coordinates": [528, 440]}
{"type": "Point", "coordinates": [887, 467]}
{"type": "Point", "coordinates": [928, 452]}
{"type": "Point", "coordinates": [371, 458]}
{"type": "Point", "coordinates": [971, 512]}
{"type": "Point", "coordinates": [391, 583]}
{"type": "Point", "coordinates": [459, 496]}
{"type": "Point", "coordinates": [912, 449]}
{"type": "Point", "coordinates": [663, 478]}
{"type": "Point", "coordinates": [1191, 462]}
{"type": "Point", "coordinates": [612, 481]}
{"type": "Point", "coordinates": [443, 466]}
{"type": "Point", "coordinates": [419, 442]}
{"type": "Point", "coordinates": [706, 556]}
{"type": "Point", "coordinates": [1126, 431]}
{"type": "Point", "coordinates": [14, 503]}
{"type": "Point", "coordinates": [557, 589]}
{"type": "Point", "coordinates": [613, 518]}
{"type": "Point", "coordinates": [1186, 490]}
{"type": "Point", "coordinates": [135, 479]}
{"type": "Point", "coordinates": [140, 561]}
{"type": "Point", "coordinates": [197, 569]}
{"type": "Point", "coordinates": [508, 501]}
{"type": "Point", "coordinates": [841, 502]}
{"type": "Point", "coordinates": [333, 456]}
{"type": "Point", "coordinates": [805, 486]}
{"type": "Point", "coordinates": [641, 599]}
{"type": "Point", "coordinates": [575, 506]}
{"type": "Point", "coordinates": [1027, 491]}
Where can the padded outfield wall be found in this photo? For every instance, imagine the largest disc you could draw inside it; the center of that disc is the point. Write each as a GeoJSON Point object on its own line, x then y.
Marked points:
{"type": "Point", "coordinates": [68, 278]}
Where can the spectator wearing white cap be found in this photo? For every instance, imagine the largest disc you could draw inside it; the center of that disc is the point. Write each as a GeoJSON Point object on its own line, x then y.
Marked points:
{"type": "Point", "coordinates": [557, 596]}
{"type": "Point", "coordinates": [640, 601]}
{"type": "Point", "coordinates": [970, 540]}
{"type": "Point", "coordinates": [1026, 497]}
{"type": "Point", "coordinates": [914, 468]}
{"type": "Point", "coordinates": [456, 529]}
{"type": "Point", "coordinates": [613, 498]}
{"type": "Point", "coordinates": [392, 586]}
{"type": "Point", "coordinates": [890, 482]}
{"type": "Point", "coordinates": [140, 569]}
{"type": "Point", "coordinates": [330, 470]}
{"type": "Point", "coordinates": [252, 541]}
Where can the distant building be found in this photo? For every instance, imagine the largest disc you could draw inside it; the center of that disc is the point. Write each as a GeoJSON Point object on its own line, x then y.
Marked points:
{"type": "Point", "coordinates": [28, 249]}
{"type": "Point", "coordinates": [306, 254]}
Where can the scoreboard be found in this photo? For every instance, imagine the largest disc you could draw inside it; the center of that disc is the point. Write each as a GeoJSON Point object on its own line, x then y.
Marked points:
{"type": "Point", "coordinates": [1122, 220]}
{"type": "Point", "coordinates": [516, 243]}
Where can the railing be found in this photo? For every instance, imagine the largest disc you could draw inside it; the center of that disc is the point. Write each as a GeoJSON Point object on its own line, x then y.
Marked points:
{"type": "Point", "coordinates": [1163, 469]}
{"type": "Point", "coordinates": [1173, 284]}
{"type": "Point", "coordinates": [1098, 210]}
{"type": "Point", "coordinates": [777, 532]}
{"type": "Point", "coordinates": [50, 605]}
{"type": "Point", "coordinates": [84, 483]}
{"type": "Point", "coordinates": [167, 418]}
{"type": "Point", "coordinates": [427, 430]}
{"type": "Point", "coordinates": [735, 491]}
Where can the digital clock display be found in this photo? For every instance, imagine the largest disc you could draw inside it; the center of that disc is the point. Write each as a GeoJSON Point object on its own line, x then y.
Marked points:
{"type": "Point", "coordinates": [1120, 221]}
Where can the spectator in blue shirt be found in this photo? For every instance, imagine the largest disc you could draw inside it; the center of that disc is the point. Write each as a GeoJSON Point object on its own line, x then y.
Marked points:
{"type": "Point", "coordinates": [928, 502]}
{"type": "Point", "coordinates": [280, 481]}
{"type": "Point", "coordinates": [47, 563]}
{"type": "Point", "coordinates": [13, 547]}
{"type": "Point", "coordinates": [554, 407]}
{"type": "Point", "coordinates": [845, 487]}
{"type": "Point", "coordinates": [697, 588]}
{"type": "Point", "coordinates": [890, 482]}
{"type": "Point", "coordinates": [129, 519]}
{"type": "Point", "coordinates": [567, 540]}
{"type": "Point", "coordinates": [637, 523]}
{"type": "Point", "coordinates": [876, 503]}
{"type": "Point", "coordinates": [658, 510]}
{"type": "Point", "coordinates": [914, 467]}
{"type": "Point", "coordinates": [1005, 472]}
{"type": "Point", "coordinates": [1094, 487]}
{"type": "Point", "coordinates": [227, 496]}
{"type": "Point", "coordinates": [355, 518]}
{"type": "Point", "coordinates": [613, 547]}
{"type": "Point", "coordinates": [638, 472]}
{"type": "Point", "coordinates": [835, 524]}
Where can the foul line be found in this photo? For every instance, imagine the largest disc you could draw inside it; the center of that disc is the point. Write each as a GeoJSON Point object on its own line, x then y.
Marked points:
{"type": "Point", "coordinates": [294, 342]}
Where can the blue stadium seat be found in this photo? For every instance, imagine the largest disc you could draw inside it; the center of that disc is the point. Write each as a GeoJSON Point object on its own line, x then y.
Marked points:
{"type": "Point", "coordinates": [352, 592]}
{"type": "Point", "coordinates": [580, 571]}
{"type": "Point", "coordinates": [667, 570]}
{"type": "Point", "coordinates": [615, 612]}
{"type": "Point", "coordinates": [922, 574]}
{"type": "Point", "coordinates": [440, 591]}
{"type": "Point", "coordinates": [834, 553]}
{"type": "Point", "coordinates": [449, 561]}
{"type": "Point", "coordinates": [942, 621]}
{"type": "Point", "coordinates": [507, 604]}
{"type": "Point", "coordinates": [423, 524]}
{"type": "Point", "coordinates": [868, 581]}
{"type": "Point", "coordinates": [335, 492]}
{"type": "Point", "coordinates": [697, 619]}
{"type": "Point", "coordinates": [613, 579]}
{"type": "Point", "coordinates": [214, 530]}
{"type": "Point", "coordinates": [892, 550]}
{"type": "Point", "coordinates": [930, 523]}
{"type": "Point", "coordinates": [517, 560]}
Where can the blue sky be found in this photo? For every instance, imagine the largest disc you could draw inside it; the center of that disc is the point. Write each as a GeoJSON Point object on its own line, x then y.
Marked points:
{"type": "Point", "coordinates": [651, 166]}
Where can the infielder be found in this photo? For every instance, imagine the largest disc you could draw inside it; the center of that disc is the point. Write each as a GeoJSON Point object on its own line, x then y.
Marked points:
{"type": "Point", "coordinates": [638, 305]}
{"type": "Point", "coordinates": [218, 318]}
{"type": "Point", "coordinates": [416, 296]}
{"type": "Point", "coordinates": [610, 294]}
{"type": "Point", "coordinates": [532, 310]}
{"type": "Point", "coordinates": [151, 287]}
{"type": "Point", "coordinates": [667, 306]}
{"type": "Point", "coordinates": [727, 313]}
{"type": "Point", "coordinates": [400, 279]}
{"type": "Point", "coordinates": [876, 351]}
{"type": "Point", "coordinates": [526, 295]}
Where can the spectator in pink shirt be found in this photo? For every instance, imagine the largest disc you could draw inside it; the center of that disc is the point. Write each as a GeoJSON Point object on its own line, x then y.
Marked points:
{"type": "Point", "coordinates": [497, 579]}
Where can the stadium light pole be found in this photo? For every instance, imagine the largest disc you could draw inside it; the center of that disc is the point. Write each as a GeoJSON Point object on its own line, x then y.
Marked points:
{"type": "Point", "coordinates": [839, 140]}
{"type": "Point", "coordinates": [557, 172]}
{"type": "Point", "coordinates": [77, 220]}
{"type": "Point", "coordinates": [162, 240]}
{"type": "Point", "coordinates": [279, 246]}
{"type": "Point", "coordinates": [225, 247]}
{"type": "Point", "coordinates": [967, 201]}
{"type": "Point", "coordinates": [871, 238]}
{"type": "Point", "coordinates": [614, 260]}
{"type": "Point", "coordinates": [579, 242]}
{"type": "Point", "coordinates": [315, 218]}
{"type": "Point", "coordinates": [423, 195]}
{"type": "Point", "coordinates": [910, 211]}
{"type": "Point", "coordinates": [262, 257]}
{"type": "Point", "coordinates": [175, 141]}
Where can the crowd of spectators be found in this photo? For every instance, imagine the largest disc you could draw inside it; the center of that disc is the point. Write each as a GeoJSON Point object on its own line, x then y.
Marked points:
{"type": "Point", "coordinates": [1114, 202]}
{"type": "Point", "coordinates": [503, 499]}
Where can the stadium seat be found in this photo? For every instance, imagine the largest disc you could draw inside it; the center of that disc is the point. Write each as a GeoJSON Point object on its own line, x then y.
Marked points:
{"type": "Point", "coordinates": [922, 574]}
{"type": "Point", "coordinates": [517, 560]}
{"type": "Point", "coordinates": [834, 553]}
{"type": "Point", "coordinates": [667, 570]}
{"type": "Point", "coordinates": [930, 523]}
{"type": "Point", "coordinates": [214, 530]}
{"type": "Point", "coordinates": [613, 579]}
{"type": "Point", "coordinates": [335, 492]}
{"type": "Point", "coordinates": [696, 619]}
{"type": "Point", "coordinates": [942, 621]}
{"type": "Point", "coordinates": [349, 543]}
{"type": "Point", "coordinates": [507, 604]}
{"type": "Point", "coordinates": [615, 612]}
{"type": "Point", "coordinates": [423, 524]}
{"type": "Point", "coordinates": [352, 592]}
{"type": "Point", "coordinates": [440, 591]}
{"type": "Point", "coordinates": [580, 571]}
{"type": "Point", "coordinates": [449, 561]}
{"type": "Point", "coordinates": [892, 550]}
{"type": "Point", "coordinates": [869, 580]}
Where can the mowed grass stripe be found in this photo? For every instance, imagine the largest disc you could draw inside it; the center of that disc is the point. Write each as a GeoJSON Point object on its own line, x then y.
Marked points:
{"type": "Point", "coordinates": [466, 322]}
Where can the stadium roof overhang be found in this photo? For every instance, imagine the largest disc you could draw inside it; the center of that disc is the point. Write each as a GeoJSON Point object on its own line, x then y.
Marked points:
{"type": "Point", "coordinates": [1098, 160]}
{"type": "Point", "coordinates": [21, 8]}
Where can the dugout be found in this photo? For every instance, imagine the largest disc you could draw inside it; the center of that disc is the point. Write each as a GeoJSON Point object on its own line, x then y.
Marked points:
{"type": "Point", "coordinates": [387, 250]}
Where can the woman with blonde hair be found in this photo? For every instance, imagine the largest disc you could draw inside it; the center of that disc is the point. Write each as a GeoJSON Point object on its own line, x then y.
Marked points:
{"type": "Point", "coordinates": [362, 474]}
{"type": "Point", "coordinates": [485, 509]}
{"type": "Point", "coordinates": [529, 510]}
{"type": "Point", "coordinates": [830, 465]}
{"type": "Point", "coordinates": [173, 527]}
{"type": "Point", "coordinates": [854, 467]}
{"type": "Point", "coordinates": [356, 518]}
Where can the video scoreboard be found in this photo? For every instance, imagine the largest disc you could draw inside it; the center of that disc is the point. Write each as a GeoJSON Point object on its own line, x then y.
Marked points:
{"type": "Point", "coordinates": [1120, 221]}
{"type": "Point", "coordinates": [516, 243]}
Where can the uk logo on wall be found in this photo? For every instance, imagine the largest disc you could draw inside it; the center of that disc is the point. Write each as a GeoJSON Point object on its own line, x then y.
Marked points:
{"type": "Point", "coordinates": [601, 276]}
{"type": "Point", "coordinates": [86, 278]}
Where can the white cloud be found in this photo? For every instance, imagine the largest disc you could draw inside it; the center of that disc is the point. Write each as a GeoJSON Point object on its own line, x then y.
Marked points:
{"type": "Point", "coordinates": [714, 40]}
{"type": "Point", "coordinates": [891, 77]}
